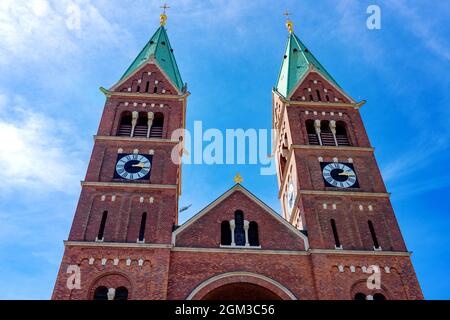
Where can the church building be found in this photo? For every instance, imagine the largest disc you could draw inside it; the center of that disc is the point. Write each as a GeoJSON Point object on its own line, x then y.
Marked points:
{"type": "Point", "coordinates": [336, 238]}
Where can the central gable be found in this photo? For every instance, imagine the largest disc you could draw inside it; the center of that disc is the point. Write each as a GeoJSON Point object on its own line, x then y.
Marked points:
{"type": "Point", "coordinates": [206, 229]}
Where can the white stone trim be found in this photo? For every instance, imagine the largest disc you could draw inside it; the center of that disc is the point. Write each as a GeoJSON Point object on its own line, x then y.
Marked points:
{"type": "Point", "coordinates": [246, 274]}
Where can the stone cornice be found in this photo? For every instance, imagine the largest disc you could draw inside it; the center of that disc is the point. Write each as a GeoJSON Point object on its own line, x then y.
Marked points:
{"type": "Point", "coordinates": [110, 94]}
{"type": "Point", "coordinates": [346, 193]}
{"type": "Point", "coordinates": [135, 139]}
{"type": "Point", "coordinates": [235, 250]}
{"type": "Point", "coordinates": [321, 105]}
{"type": "Point", "coordinates": [360, 252]}
{"type": "Point", "coordinates": [116, 245]}
{"type": "Point", "coordinates": [127, 185]}
{"type": "Point", "coordinates": [334, 148]}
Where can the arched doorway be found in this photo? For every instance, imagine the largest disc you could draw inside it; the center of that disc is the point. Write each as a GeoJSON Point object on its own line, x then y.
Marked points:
{"type": "Point", "coordinates": [241, 286]}
{"type": "Point", "coordinates": [241, 291]}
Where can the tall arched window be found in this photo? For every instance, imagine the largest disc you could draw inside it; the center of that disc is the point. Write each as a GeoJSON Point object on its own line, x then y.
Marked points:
{"type": "Point", "coordinates": [312, 134]}
{"type": "Point", "coordinates": [101, 293]}
{"type": "Point", "coordinates": [253, 236]}
{"type": "Point", "coordinates": [335, 233]}
{"type": "Point", "coordinates": [360, 296]}
{"type": "Point", "coordinates": [326, 134]}
{"type": "Point", "coordinates": [373, 234]}
{"type": "Point", "coordinates": [341, 134]}
{"type": "Point", "coordinates": [121, 294]}
{"type": "Point", "coordinates": [142, 228]}
{"type": "Point", "coordinates": [157, 127]}
{"type": "Point", "coordinates": [225, 233]}
{"type": "Point", "coordinates": [141, 125]}
{"type": "Point", "coordinates": [239, 232]}
{"type": "Point", "coordinates": [379, 297]}
{"type": "Point", "coordinates": [101, 229]}
{"type": "Point", "coordinates": [125, 124]}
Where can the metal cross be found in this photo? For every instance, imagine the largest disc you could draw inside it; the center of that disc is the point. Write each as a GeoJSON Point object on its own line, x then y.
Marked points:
{"type": "Point", "coordinates": [287, 14]}
{"type": "Point", "coordinates": [165, 6]}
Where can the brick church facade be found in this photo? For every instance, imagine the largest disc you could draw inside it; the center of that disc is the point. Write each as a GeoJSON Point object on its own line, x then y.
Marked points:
{"type": "Point", "coordinates": [337, 236]}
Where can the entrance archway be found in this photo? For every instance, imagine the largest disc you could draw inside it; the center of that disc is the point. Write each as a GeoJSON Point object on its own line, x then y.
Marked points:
{"type": "Point", "coordinates": [241, 286]}
{"type": "Point", "coordinates": [241, 291]}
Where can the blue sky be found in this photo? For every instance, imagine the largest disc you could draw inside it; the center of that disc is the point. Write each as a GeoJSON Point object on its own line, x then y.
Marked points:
{"type": "Point", "coordinates": [229, 52]}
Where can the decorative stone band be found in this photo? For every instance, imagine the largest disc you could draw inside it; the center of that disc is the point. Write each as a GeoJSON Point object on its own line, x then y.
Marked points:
{"type": "Point", "coordinates": [346, 193]}
{"type": "Point", "coordinates": [322, 105]}
{"type": "Point", "coordinates": [135, 139]}
{"type": "Point", "coordinates": [109, 94]}
{"type": "Point", "coordinates": [128, 185]}
{"type": "Point", "coordinates": [236, 250]}
{"type": "Point", "coordinates": [341, 148]}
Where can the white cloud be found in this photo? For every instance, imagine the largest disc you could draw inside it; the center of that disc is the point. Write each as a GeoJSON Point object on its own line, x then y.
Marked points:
{"type": "Point", "coordinates": [421, 28]}
{"type": "Point", "coordinates": [37, 152]}
{"type": "Point", "coordinates": [51, 30]}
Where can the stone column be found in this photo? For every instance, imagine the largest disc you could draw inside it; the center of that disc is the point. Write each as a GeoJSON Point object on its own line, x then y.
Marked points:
{"type": "Point", "coordinates": [317, 127]}
{"type": "Point", "coordinates": [333, 131]}
{"type": "Point", "coordinates": [111, 293]}
{"type": "Point", "coordinates": [232, 227]}
{"type": "Point", "coordinates": [246, 227]}
{"type": "Point", "coordinates": [135, 116]}
{"type": "Point", "coordinates": [151, 116]}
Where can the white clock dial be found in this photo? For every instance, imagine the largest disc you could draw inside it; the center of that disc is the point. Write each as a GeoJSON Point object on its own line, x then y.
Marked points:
{"type": "Point", "coordinates": [339, 175]}
{"type": "Point", "coordinates": [133, 167]}
{"type": "Point", "coordinates": [290, 197]}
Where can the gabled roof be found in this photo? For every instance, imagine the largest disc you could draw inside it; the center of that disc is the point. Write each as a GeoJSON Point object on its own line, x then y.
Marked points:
{"type": "Point", "coordinates": [297, 61]}
{"type": "Point", "coordinates": [160, 50]}
{"type": "Point", "coordinates": [251, 196]}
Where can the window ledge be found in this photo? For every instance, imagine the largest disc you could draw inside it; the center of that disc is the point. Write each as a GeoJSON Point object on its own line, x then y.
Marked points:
{"type": "Point", "coordinates": [240, 247]}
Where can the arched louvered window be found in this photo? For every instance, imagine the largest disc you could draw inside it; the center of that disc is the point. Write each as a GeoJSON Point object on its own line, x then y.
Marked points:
{"type": "Point", "coordinates": [335, 233]}
{"type": "Point", "coordinates": [239, 233]}
{"type": "Point", "coordinates": [373, 234]}
{"type": "Point", "coordinates": [125, 124]}
{"type": "Point", "coordinates": [319, 97]}
{"type": "Point", "coordinates": [341, 134]}
{"type": "Point", "coordinates": [253, 236]}
{"type": "Point", "coordinates": [157, 127]}
{"type": "Point", "coordinates": [225, 233]}
{"type": "Point", "coordinates": [379, 297]}
{"type": "Point", "coordinates": [360, 296]}
{"type": "Point", "coordinates": [141, 125]}
{"type": "Point", "coordinates": [142, 228]}
{"type": "Point", "coordinates": [121, 294]}
{"type": "Point", "coordinates": [101, 229]}
{"type": "Point", "coordinates": [313, 139]}
{"type": "Point", "coordinates": [101, 293]}
{"type": "Point", "coordinates": [326, 134]}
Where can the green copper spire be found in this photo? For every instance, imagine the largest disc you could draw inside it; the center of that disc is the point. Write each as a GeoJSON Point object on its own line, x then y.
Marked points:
{"type": "Point", "coordinates": [158, 48]}
{"type": "Point", "coordinates": [297, 61]}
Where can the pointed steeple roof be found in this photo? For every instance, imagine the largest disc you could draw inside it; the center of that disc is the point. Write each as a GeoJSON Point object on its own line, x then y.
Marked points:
{"type": "Point", "coordinates": [298, 60]}
{"type": "Point", "coordinates": [159, 49]}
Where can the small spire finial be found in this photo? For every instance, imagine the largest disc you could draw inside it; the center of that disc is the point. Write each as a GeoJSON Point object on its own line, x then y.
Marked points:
{"type": "Point", "coordinates": [163, 16]}
{"type": "Point", "coordinates": [289, 23]}
{"type": "Point", "coordinates": [238, 178]}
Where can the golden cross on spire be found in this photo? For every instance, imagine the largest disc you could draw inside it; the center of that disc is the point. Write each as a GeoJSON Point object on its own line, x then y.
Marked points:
{"type": "Point", "coordinates": [238, 178]}
{"type": "Point", "coordinates": [289, 23]}
{"type": "Point", "coordinates": [163, 16]}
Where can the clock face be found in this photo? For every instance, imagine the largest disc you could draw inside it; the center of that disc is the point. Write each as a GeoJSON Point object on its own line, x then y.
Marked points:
{"type": "Point", "coordinates": [339, 175]}
{"type": "Point", "coordinates": [290, 197]}
{"type": "Point", "coordinates": [133, 167]}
